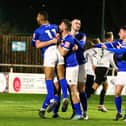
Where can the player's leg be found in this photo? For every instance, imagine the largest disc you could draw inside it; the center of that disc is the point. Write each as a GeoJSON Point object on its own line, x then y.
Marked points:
{"type": "Point", "coordinates": [50, 90]}
{"type": "Point", "coordinates": [94, 87]}
{"type": "Point", "coordinates": [83, 99]}
{"type": "Point", "coordinates": [62, 80]}
{"type": "Point", "coordinates": [89, 83]}
{"type": "Point", "coordinates": [72, 78]}
{"type": "Point", "coordinates": [57, 97]}
{"type": "Point", "coordinates": [81, 89]}
{"type": "Point", "coordinates": [120, 81]}
{"type": "Point", "coordinates": [73, 113]}
{"type": "Point", "coordinates": [64, 85]}
{"type": "Point", "coordinates": [101, 106]}
{"type": "Point", "coordinates": [76, 102]}
{"type": "Point", "coordinates": [100, 73]}
{"type": "Point", "coordinates": [118, 101]}
{"type": "Point", "coordinates": [97, 81]}
{"type": "Point", "coordinates": [49, 70]}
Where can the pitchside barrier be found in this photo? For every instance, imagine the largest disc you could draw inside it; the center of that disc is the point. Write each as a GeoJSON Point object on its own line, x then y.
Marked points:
{"type": "Point", "coordinates": [34, 83]}
{"type": "Point", "coordinates": [13, 82]}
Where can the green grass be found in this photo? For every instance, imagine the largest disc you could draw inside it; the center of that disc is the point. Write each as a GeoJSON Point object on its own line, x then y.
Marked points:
{"type": "Point", "coordinates": [22, 110]}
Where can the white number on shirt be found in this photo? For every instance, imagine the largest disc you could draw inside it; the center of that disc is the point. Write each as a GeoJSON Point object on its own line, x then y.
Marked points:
{"type": "Point", "coordinates": [49, 32]}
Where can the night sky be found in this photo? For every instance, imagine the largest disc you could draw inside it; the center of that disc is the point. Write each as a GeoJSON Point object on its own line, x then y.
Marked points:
{"type": "Point", "coordinates": [19, 15]}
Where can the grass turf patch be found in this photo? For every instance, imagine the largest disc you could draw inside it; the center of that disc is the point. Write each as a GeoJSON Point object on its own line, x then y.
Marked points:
{"type": "Point", "coordinates": [22, 110]}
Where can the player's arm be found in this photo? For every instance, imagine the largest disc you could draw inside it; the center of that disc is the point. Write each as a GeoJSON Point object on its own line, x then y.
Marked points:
{"type": "Point", "coordinates": [84, 38]}
{"type": "Point", "coordinates": [105, 45]}
{"type": "Point", "coordinates": [82, 42]}
{"type": "Point", "coordinates": [34, 38]}
{"type": "Point", "coordinates": [63, 51]}
{"type": "Point", "coordinates": [64, 48]}
{"type": "Point", "coordinates": [40, 44]}
{"type": "Point", "coordinates": [117, 50]}
{"type": "Point", "coordinates": [99, 45]}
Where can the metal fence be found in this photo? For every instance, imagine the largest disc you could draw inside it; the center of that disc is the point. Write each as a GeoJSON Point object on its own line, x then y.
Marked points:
{"type": "Point", "coordinates": [28, 61]}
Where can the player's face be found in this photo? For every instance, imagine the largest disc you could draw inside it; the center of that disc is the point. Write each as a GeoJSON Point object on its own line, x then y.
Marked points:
{"type": "Point", "coordinates": [122, 34]}
{"type": "Point", "coordinates": [111, 39]}
{"type": "Point", "coordinates": [76, 24]}
{"type": "Point", "coordinates": [39, 19]}
{"type": "Point", "coordinates": [62, 26]}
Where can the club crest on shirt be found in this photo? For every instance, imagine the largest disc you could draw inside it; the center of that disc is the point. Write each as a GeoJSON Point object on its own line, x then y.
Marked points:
{"type": "Point", "coordinates": [67, 44]}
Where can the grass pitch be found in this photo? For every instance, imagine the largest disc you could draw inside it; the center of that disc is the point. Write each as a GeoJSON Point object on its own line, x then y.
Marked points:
{"type": "Point", "coordinates": [22, 110]}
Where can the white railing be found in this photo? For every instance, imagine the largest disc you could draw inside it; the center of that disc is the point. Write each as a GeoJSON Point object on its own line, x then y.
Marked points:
{"type": "Point", "coordinates": [20, 65]}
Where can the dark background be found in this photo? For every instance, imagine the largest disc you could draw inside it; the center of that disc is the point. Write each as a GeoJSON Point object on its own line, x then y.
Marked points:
{"type": "Point", "coordinates": [18, 16]}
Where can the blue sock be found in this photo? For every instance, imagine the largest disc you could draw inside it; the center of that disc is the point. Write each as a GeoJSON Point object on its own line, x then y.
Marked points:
{"type": "Point", "coordinates": [46, 102]}
{"type": "Point", "coordinates": [77, 109]}
{"type": "Point", "coordinates": [56, 108]}
{"type": "Point", "coordinates": [118, 102]}
{"type": "Point", "coordinates": [63, 84]}
{"type": "Point", "coordinates": [83, 99]}
{"type": "Point", "coordinates": [50, 89]}
{"type": "Point", "coordinates": [50, 93]}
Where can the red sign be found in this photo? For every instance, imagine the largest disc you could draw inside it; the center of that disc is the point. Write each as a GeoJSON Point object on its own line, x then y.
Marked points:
{"type": "Point", "coordinates": [17, 84]}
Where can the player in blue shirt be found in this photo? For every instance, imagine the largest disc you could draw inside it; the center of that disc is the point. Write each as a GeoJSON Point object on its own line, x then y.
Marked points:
{"type": "Point", "coordinates": [45, 38]}
{"type": "Point", "coordinates": [119, 48]}
{"type": "Point", "coordinates": [71, 63]}
{"type": "Point", "coordinates": [80, 41]}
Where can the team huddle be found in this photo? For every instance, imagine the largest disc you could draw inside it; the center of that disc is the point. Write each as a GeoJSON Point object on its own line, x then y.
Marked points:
{"type": "Point", "coordinates": [74, 71]}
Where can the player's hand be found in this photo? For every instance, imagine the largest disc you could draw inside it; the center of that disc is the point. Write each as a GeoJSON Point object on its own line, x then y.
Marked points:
{"type": "Point", "coordinates": [103, 46]}
{"type": "Point", "coordinates": [57, 35]}
{"type": "Point", "coordinates": [75, 48]}
{"type": "Point", "coordinates": [118, 46]}
{"type": "Point", "coordinates": [54, 41]}
{"type": "Point", "coordinates": [58, 38]}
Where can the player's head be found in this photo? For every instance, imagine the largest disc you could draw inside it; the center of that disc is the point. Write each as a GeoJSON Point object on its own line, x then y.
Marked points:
{"type": "Point", "coordinates": [89, 44]}
{"type": "Point", "coordinates": [65, 25]}
{"type": "Point", "coordinates": [109, 37]}
{"type": "Point", "coordinates": [42, 17]}
{"type": "Point", "coordinates": [76, 24]}
{"type": "Point", "coordinates": [122, 32]}
{"type": "Point", "coordinates": [96, 41]}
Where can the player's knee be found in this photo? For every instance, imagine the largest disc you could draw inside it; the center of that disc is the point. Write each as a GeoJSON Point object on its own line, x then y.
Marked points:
{"type": "Point", "coordinates": [81, 88]}
{"type": "Point", "coordinates": [103, 92]}
{"type": "Point", "coordinates": [118, 93]}
{"type": "Point", "coordinates": [105, 87]}
{"type": "Point", "coordinates": [73, 90]}
{"type": "Point", "coordinates": [48, 76]}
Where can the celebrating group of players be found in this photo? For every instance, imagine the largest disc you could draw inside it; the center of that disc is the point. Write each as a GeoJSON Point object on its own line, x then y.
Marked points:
{"type": "Point", "coordinates": [68, 67]}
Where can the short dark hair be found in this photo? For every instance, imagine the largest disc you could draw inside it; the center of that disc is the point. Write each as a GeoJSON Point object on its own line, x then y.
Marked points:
{"type": "Point", "coordinates": [108, 35]}
{"type": "Point", "coordinates": [123, 27]}
{"type": "Point", "coordinates": [67, 22]}
{"type": "Point", "coordinates": [44, 14]}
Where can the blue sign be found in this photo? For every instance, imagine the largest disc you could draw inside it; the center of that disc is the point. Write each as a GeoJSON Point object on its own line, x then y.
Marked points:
{"type": "Point", "coordinates": [18, 46]}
